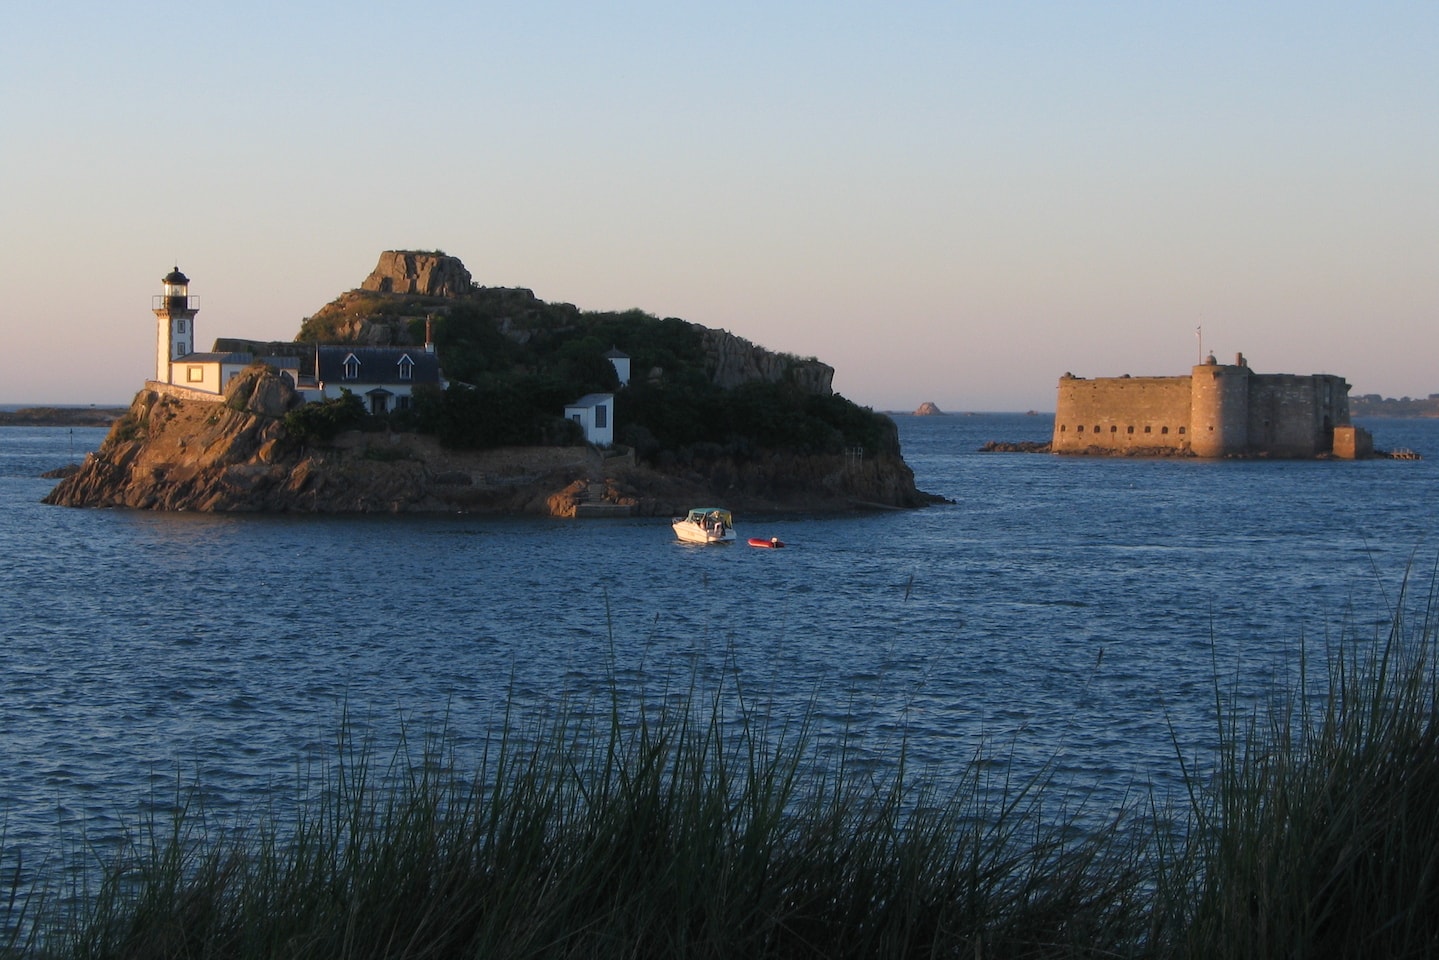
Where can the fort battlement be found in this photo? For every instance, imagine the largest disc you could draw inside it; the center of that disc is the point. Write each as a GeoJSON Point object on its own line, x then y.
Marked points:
{"type": "Point", "coordinates": [1218, 410]}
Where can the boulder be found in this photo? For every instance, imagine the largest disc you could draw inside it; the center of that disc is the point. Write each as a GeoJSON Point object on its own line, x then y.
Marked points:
{"type": "Point", "coordinates": [262, 391]}
{"type": "Point", "coordinates": [928, 409]}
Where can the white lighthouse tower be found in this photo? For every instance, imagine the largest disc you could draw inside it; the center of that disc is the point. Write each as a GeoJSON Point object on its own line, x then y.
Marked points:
{"type": "Point", "coordinates": [175, 313]}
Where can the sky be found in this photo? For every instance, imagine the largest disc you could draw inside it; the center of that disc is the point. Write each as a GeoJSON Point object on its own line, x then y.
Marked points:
{"type": "Point", "coordinates": [948, 202]}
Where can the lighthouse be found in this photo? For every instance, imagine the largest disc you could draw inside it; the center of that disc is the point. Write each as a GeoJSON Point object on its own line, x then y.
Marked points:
{"type": "Point", "coordinates": [175, 313]}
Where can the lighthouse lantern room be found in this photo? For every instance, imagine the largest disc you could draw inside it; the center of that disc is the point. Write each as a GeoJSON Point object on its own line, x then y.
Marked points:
{"type": "Point", "coordinates": [174, 311]}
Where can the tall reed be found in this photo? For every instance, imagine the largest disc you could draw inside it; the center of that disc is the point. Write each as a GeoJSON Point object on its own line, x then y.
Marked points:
{"type": "Point", "coordinates": [686, 828]}
{"type": "Point", "coordinates": [691, 824]}
{"type": "Point", "coordinates": [1318, 835]}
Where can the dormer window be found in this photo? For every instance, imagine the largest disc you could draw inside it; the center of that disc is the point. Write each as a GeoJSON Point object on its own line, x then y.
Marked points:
{"type": "Point", "coordinates": [407, 368]}
{"type": "Point", "coordinates": [352, 367]}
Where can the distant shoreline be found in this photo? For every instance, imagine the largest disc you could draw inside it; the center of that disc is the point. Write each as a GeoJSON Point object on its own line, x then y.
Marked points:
{"type": "Point", "coordinates": [91, 416]}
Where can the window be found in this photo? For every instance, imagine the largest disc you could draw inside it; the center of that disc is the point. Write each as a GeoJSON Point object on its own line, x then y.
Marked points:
{"type": "Point", "coordinates": [1129, 429]}
{"type": "Point", "coordinates": [195, 374]}
{"type": "Point", "coordinates": [1181, 431]}
{"type": "Point", "coordinates": [179, 349]}
{"type": "Point", "coordinates": [1081, 428]}
{"type": "Point", "coordinates": [1096, 428]}
{"type": "Point", "coordinates": [407, 368]}
{"type": "Point", "coordinates": [1147, 428]}
{"type": "Point", "coordinates": [352, 368]}
{"type": "Point", "coordinates": [602, 417]}
{"type": "Point", "coordinates": [1163, 429]}
{"type": "Point", "coordinates": [402, 402]}
{"type": "Point", "coordinates": [1114, 428]}
{"type": "Point", "coordinates": [179, 326]}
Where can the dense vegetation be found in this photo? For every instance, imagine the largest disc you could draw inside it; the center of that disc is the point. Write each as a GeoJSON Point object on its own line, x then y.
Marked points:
{"type": "Point", "coordinates": [687, 827]}
{"type": "Point", "coordinates": [516, 360]}
{"type": "Point", "coordinates": [1373, 405]}
{"type": "Point", "coordinates": [320, 422]}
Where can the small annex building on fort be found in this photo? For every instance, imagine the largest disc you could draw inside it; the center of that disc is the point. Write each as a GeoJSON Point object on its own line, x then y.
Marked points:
{"type": "Point", "coordinates": [1218, 410]}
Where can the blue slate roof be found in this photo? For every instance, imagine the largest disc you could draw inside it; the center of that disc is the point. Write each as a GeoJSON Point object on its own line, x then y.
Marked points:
{"type": "Point", "coordinates": [215, 358]}
{"type": "Point", "coordinates": [377, 364]}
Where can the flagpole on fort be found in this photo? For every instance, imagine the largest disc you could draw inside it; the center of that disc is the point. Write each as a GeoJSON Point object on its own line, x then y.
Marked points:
{"type": "Point", "coordinates": [1199, 334]}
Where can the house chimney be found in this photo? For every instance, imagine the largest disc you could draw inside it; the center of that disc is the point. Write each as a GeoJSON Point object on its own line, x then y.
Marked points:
{"type": "Point", "coordinates": [430, 333]}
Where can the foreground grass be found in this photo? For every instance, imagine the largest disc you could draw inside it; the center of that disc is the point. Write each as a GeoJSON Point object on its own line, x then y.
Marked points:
{"type": "Point", "coordinates": [697, 831]}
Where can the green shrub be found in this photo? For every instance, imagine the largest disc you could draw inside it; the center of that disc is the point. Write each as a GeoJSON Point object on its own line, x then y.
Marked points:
{"type": "Point", "coordinates": [319, 423]}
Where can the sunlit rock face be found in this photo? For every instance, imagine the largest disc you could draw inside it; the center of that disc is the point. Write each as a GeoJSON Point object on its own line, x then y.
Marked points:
{"type": "Point", "coordinates": [426, 274]}
{"type": "Point", "coordinates": [734, 360]}
{"type": "Point", "coordinates": [928, 409]}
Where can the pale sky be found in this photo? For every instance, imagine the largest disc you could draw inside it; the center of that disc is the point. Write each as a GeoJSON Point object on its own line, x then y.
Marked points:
{"type": "Point", "coordinates": [953, 202]}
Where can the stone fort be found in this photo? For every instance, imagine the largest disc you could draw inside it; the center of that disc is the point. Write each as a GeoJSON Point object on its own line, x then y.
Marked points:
{"type": "Point", "coordinates": [1218, 410]}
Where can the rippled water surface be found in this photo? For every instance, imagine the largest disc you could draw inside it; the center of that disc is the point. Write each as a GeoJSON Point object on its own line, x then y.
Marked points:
{"type": "Point", "coordinates": [1062, 608]}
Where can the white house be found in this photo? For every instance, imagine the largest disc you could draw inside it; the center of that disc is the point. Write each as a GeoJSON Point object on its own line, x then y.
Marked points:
{"type": "Point", "coordinates": [621, 362]}
{"type": "Point", "coordinates": [212, 372]}
{"type": "Point", "coordinates": [383, 377]}
{"type": "Point", "coordinates": [595, 413]}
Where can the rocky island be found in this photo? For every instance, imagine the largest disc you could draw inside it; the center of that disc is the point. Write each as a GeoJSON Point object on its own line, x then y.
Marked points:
{"type": "Point", "coordinates": [710, 417]}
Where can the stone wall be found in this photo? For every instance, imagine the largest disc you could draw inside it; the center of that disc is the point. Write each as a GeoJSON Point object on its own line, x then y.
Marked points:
{"type": "Point", "coordinates": [1122, 415]}
{"type": "Point", "coordinates": [1295, 416]}
{"type": "Point", "coordinates": [182, 393]}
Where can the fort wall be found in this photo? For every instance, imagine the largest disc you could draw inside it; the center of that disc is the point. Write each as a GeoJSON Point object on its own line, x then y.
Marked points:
{"type": "Point", "coordinates": [1219, 410]}
{"type": "Point", "coordinates": [1295, 416]}
{"type": "Point", "coordinates": [1122, 415]}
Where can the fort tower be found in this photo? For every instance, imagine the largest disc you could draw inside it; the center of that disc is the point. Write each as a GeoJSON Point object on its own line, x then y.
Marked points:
{"type": "Point", "coordinates": [1219, 408]}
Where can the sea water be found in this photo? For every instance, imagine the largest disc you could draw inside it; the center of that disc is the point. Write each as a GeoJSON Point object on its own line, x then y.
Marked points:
{"type": "Point", "coordinates": [1059, 611]}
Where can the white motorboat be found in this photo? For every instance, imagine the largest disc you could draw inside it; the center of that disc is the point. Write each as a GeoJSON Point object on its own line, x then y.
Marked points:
{"type": "Point", "coordinates": [705, 525]}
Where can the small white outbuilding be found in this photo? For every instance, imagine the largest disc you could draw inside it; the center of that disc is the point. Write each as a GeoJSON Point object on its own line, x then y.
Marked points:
{"type": "Point", "coordinates": [595, 413]}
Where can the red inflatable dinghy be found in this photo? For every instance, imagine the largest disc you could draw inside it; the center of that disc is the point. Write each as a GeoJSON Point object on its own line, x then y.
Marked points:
{"type": "Point", "coordinates": [772, 542]}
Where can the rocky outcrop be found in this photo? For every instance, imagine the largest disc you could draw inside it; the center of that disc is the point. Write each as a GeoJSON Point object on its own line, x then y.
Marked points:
{"type": "Point", "coordinates": [1015, 446]}
{"type": "Point", "coordinates": [235, 455]}
{"type": "Point", "coordinates": [928, 409]}
{"type": "Point", "coordinates": [733, 360]}
{"type": "Point", "coordinates": [431, 274]}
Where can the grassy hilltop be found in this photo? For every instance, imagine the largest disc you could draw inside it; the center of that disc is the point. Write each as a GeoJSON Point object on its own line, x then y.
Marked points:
{"type": "Point", "coordinates": [518, 360]}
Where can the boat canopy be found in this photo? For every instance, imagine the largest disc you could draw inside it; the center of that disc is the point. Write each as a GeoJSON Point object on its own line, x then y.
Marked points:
{"type": "Point", "coordinates": [711, 513]}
